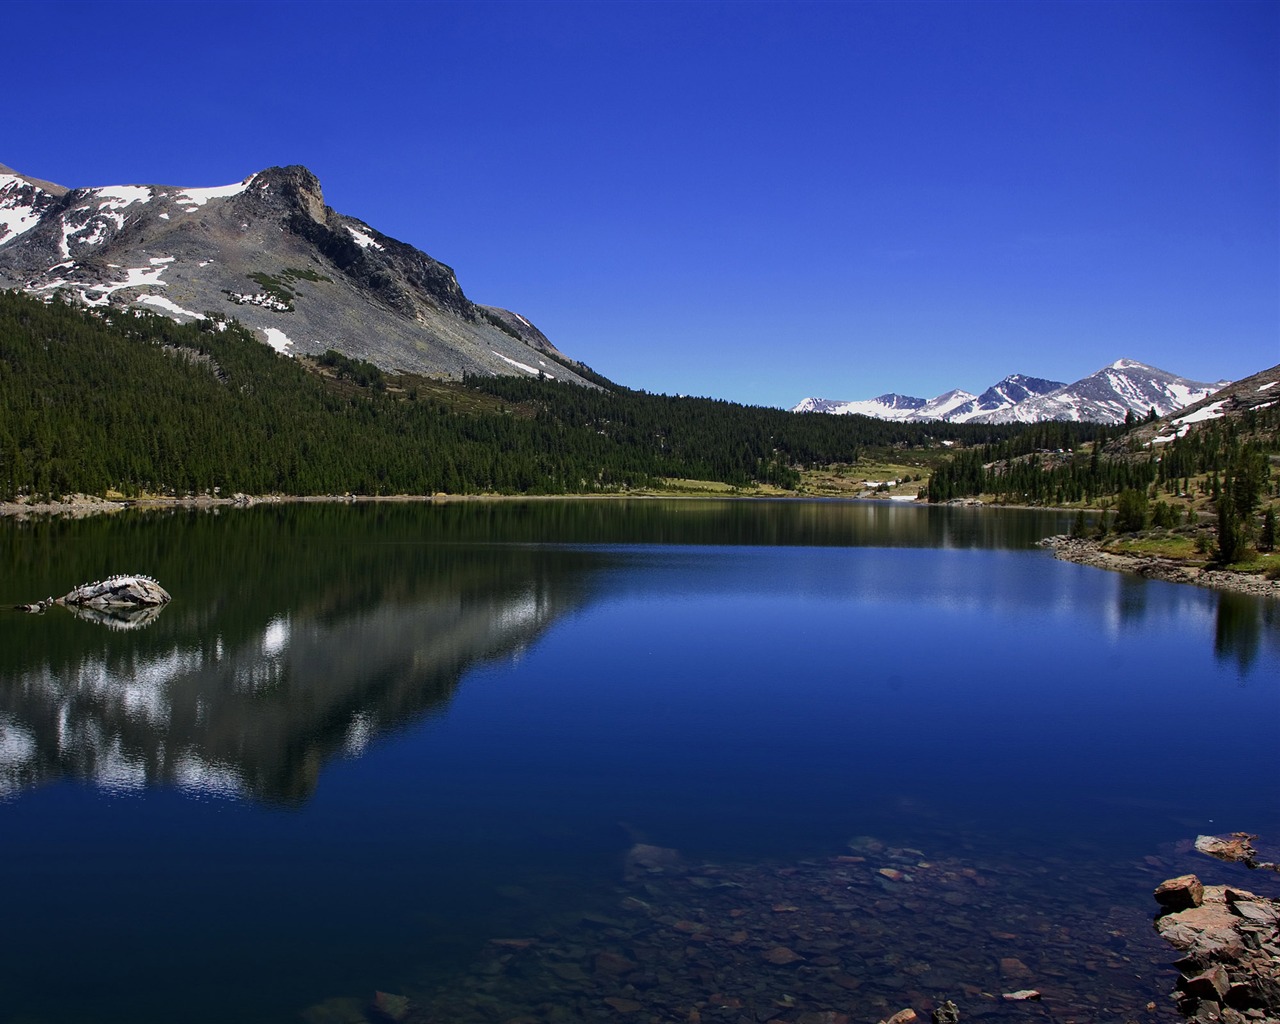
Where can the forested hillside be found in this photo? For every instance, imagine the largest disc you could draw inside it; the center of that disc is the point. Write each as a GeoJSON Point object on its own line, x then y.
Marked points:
{"type": "Point", "coordinates": [1205, 469]}
{"type": "Point", "coordinates": [1047, 464]}
{"type": "Point", "coordinates": [129, 402]}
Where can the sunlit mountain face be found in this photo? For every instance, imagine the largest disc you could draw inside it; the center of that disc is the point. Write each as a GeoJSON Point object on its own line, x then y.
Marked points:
{"type": "Point", "coordinates": [267, 251]}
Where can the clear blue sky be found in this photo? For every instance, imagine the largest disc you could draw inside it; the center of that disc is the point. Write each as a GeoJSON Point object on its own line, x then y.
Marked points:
{"type": "Point", "coordinates": [753, 201]}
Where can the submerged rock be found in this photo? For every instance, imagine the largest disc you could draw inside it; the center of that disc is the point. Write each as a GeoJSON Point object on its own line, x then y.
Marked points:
{"type": "Point", "coordinates": [122, 591]}
{"type": "Point", "coordinates": [947, 1013]}
{"type": "Point", "coordinates": [394, 1007]}
{"type": "Point", "coordinates": [1236, 848]}
{"type": "Point", "coordinates": [644, 858]}
{"type": "Point", "coordinates": [339, 1010]}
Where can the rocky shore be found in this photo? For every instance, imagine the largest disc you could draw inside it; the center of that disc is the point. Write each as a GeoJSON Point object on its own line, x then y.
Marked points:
{"type": "Point", "coordinates": [1231, 940]}
{"type": "Point", "coordinates": [1091, 552]}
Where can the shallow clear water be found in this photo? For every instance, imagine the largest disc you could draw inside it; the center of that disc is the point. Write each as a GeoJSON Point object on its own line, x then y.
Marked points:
{"type": "Point", "coordinates": [365, 741]}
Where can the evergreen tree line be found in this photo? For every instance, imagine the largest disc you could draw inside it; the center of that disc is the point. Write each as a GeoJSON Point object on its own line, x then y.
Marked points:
{"type": "Point", "coordinates": [129, 401]}
{"type": "Point", "coordinates": [713, 439]}
{"type": "Point", "coordinates": [133, 402]}
{"type": "Point", "coordinates": [1037, 479]}
{"type": "Point", "coordinates": [140, 404]}
{"type": "Point", "coordinates": [1236, 447]}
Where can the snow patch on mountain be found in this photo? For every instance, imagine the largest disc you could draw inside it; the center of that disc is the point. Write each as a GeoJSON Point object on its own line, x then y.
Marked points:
{"type": "Point", "coordinates": [1212, 411]}
{"type": "Point", "coordinates": [278, 340]}
{"type": "Point", "coordinates": [17, 213]}
{"type": "Point", "coordinates": [117, 197]}
{"type": "Point", "coordinates": [169, 306]}
{"type": "Point", "coordinates": [194, 198]}
{"type": "Point", "coordinates": [945, 405]}
{"type": "Point", "coordinates": [363, 240]}
{"type": "Point", "coordinates": [99, 294]}
{"type": "Point", "coordinates": [523, 366]}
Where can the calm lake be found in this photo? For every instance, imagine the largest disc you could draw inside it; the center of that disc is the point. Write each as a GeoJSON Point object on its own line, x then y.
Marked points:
{"type": "Point", "coordinates": [612, 760]}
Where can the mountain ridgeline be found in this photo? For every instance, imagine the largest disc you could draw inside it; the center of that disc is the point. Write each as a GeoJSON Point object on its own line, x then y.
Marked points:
{"type": "Point", "coordinates": [1109, 395]}
{"type": "Point", "coordinates": [267, 250]}
{"type": "Point", "coordinates": [120, 400]}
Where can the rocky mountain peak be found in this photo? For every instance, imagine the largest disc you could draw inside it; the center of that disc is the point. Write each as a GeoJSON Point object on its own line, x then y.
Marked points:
{"type": "Point", "coordinates": [267, 251]}
{"type": "Point", "coordinates": [297, 185]}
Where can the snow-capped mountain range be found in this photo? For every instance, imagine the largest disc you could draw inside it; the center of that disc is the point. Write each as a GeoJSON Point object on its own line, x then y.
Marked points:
{"type": "Point", "coordinates": [1106, 396]}
{"type": "Point", "coordinates": [268, 252]}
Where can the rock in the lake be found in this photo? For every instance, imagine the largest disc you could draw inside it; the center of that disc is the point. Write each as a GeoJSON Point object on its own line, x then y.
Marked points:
{"type": "Point", "coordinates": [1180, 893]}
{"type": "Point", "coordinates": [1022, 995]}
{"type": "Point", "coordinates": [1012, 967]}
{"type": "Point", "coordinates": [907, 1016]}
{"type": "Point", "coordinates": [118, 592]}
{"type": "Point", "coordinates": [611, 963]}
{"type": "Point", "coordinates": [393, 1006]}
{"type": "Point", "coordinates": [1236, 847]}
{"type": "Point", "coordinates": [947, 1013]}
{"type": "Point", "coordinates": [339, 1010]}
{"type": "Point", "coordinates": [644, 858]}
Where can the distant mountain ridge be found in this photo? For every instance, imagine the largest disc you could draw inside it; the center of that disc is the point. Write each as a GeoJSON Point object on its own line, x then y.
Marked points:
{"type": "Point", "coordinates": [269, 252]}
{"type": "Point", "coordinates": [1106, 396]}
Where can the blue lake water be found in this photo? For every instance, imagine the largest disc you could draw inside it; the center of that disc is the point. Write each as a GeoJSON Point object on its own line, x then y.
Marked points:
{"type": "Point", "coordinates": [364, 742]}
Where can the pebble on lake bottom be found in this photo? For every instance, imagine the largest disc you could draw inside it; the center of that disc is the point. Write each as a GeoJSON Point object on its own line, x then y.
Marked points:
{"type": "Point", "coordinates": [823, 942]}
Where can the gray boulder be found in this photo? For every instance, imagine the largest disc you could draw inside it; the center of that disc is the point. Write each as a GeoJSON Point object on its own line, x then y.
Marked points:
{"type": "Point", "coordinates": [124, 591]}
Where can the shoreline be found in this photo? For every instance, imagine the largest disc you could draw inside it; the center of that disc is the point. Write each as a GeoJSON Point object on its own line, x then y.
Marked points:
{"type": "Point", "coordinates": [87, 505]}
{"type": "Point", "coordinates": [1065, 548]}
{"type": "Point", "coordinates": [81, 506]}
{"type": "Point", "coordinates": [1091, 552]}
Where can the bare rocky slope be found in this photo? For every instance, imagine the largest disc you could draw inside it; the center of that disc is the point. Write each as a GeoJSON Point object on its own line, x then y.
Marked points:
{"type": "Point", "coordinates": [268, 252]}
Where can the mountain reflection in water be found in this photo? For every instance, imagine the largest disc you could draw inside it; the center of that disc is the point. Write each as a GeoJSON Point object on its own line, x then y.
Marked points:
{"type": "Point", "coordinates": [257, 711]}
{"type": "Point", "coordinates": [307, 638]}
